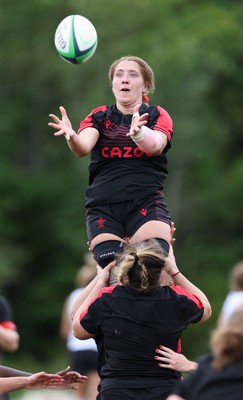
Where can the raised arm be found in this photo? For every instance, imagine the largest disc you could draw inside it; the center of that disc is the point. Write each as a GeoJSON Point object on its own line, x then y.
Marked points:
{"type": "Point", "coordinates": [148, 140]}
{"type": "Point", "coordinates": [84, 295]}
{"type": "Point", "coordinates": [41, 380]}
{"type": "Point", "coordinates": [13, 379]}
{"type": "Point", "coordinates": [80, 144]}
{"type": "Point", "coordinates": [101, 280]}
{"type": "Point", "coordinates": [181, 280]}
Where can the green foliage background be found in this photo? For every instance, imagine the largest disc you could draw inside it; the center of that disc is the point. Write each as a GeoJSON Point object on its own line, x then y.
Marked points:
{"type": "Point", "coordinates": [195, 49]}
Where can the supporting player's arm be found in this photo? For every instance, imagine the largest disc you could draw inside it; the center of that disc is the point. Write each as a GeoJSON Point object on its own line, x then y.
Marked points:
{"type": "Point", "coordinates": [9, 339]}
{"type": "Point", "coordinates": [180, 279]}
{"type": "Point", "coordinates": [82, 304]}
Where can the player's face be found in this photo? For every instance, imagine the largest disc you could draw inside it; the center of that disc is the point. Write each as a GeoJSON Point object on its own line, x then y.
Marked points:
{"type": "Point", "coordinates": [128, 83]}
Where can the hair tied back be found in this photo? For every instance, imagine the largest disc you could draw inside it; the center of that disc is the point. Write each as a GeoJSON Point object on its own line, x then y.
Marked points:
{"type": "Point", "coordinates": [136, 258]}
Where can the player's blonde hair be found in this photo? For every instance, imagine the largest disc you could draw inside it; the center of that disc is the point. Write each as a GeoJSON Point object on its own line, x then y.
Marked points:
{"type": "Point", "coordinates": [86, 272]}
{"type": "Point", "coordinates": [140, 265]}
{"type": "Point", "coordinates": [146, 71]}
{"type": "Point", "coordinates": [236, 277]}
{"type": "Point", "coordinates": [227, 340]}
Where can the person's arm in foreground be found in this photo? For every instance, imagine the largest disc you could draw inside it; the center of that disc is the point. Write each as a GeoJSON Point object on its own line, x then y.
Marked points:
{"type": "Point", "coordinates": [102, 279]}
{"type": "Point", "coordinates": [40, 380]}
{"type": "Point", "coordinates": [71, 377]}
{"type": "Point", "coordinates": [12, 379]}
{"type": "Point", "coordinates": [179, 279]}
{"type": "Point", "coordinates": [80, 144]}
{"type": "Point", "coordinates": [7, 372]}
{"type": "Point", "coordinates": [172, 360]}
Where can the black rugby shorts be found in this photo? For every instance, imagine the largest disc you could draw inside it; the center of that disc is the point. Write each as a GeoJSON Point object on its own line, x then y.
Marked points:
{"type": "Point", "coordinates": [123, 219]}
{"type": "Point", "coordinates": [84, 361]}
{"type": "Point", "coordinates": [154, 393]}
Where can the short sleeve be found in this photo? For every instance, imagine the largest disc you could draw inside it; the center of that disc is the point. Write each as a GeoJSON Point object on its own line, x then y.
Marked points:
{"type": "Point", "coordinates": [163, 123]}
{"type": "Point", "coordinates": [91, 319]}
{"type": "Point", "coordinates": [191, 305]}
{"type": "Point", "coordinates": [94, 119]}
{"type": "Point", "coordinates": [5, 310]}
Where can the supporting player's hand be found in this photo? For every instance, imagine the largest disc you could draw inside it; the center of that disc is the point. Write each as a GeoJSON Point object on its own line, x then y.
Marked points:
{"type": "Point", "coordinates": [172, 360]}
{"type": "Point", "coordinates": [103, 274]}
{"type": "Point", "coordinates": [172, 231]}
{"type": "Point", "coordinates": [170, 263]}
{"type": "Point", "coordinates": [63, 126]}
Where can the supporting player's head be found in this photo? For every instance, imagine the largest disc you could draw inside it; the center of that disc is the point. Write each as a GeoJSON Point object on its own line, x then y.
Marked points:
{"type": "Point", "coordinates": [140, 265]}
{"type": "Point", "coordinates": [236, 277]}
{"type": "Point", "coordinates": [227, 340]}
{"type": "Point", "coordinates": [86, 272]}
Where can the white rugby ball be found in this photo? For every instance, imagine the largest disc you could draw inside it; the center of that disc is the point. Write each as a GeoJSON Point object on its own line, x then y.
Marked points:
{"type": "Point", "coordinates": [76, 39]}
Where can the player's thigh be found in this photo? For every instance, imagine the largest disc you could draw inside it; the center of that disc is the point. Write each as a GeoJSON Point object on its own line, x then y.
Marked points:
{"type": "Point", "coordinates": [149, 218]}
{"type": "Point", "coordinates": [104, 237]}
{"type": "Point", "coordinates": [152, 229]}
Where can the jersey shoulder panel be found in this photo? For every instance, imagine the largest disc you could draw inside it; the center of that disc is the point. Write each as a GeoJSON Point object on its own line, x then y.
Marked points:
{"type": "Point", "coordinates": [181, 291]}
{"type": "Point", "coordinates": [160, 120]}
{"type": "Point", "coordinates": [103, 291]}
{"type": "Point", "coordinates": [93, 119]}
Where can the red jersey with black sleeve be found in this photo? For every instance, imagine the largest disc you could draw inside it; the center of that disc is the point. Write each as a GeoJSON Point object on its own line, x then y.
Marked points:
{"type": "Point", "coordinates": [132, 324]}
{"type": "Point", "coordinates": [118, 169]}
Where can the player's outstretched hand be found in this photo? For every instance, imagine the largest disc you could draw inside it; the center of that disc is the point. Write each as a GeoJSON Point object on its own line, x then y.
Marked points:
{"type": "Point", "coordinates": [71, 377]}
{"type": "Point", "coordinates": [63, 126]}
{"type": "Point", "coordinates": [42, 380]}
{"type": "Point", "coordinates": [137, 121]}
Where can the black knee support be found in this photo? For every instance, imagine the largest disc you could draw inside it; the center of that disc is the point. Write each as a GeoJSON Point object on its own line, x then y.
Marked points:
{"type": "Point", "coordinates": [104, 252]}
{"type": "Point", "coordinates": [164, 245]}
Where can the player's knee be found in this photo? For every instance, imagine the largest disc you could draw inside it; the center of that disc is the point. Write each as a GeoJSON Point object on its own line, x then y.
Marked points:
{"type": "Point", "coordinates": [104, 252]}
{"type": "Point", "coordinates": [164, 245]}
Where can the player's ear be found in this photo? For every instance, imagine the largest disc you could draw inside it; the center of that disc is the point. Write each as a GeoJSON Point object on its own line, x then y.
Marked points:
{"type": "Point", "coordinates": [145, 87]}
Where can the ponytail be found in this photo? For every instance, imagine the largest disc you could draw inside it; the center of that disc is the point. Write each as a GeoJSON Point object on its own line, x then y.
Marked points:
{"type": "Point", "coordinates": [141, 264]}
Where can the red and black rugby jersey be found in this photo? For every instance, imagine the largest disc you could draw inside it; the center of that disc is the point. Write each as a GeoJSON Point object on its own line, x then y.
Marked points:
{"type": "Point", "coordinates": [133, 324]}
{"type": "Point", "coordinates": [118, 169]}
{"type": "Point", "coordinates": [6, 315]}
